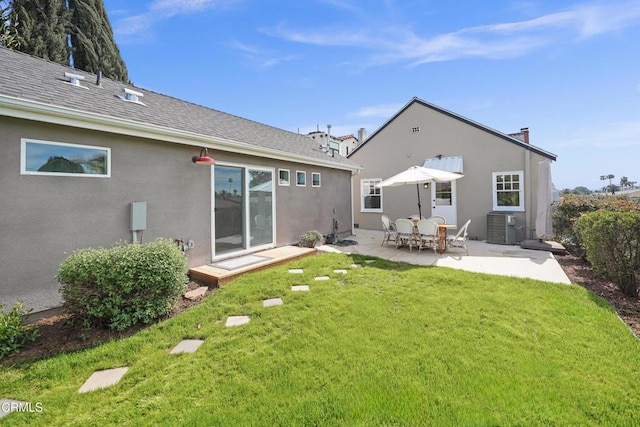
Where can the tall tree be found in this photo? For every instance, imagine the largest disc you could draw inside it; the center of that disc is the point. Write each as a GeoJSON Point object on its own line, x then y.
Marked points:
{"type": "Point", "coordinates": [92, 43]}
{"type": "Point", "coordinates": [70, 32]}
{"type": "Point", "coordinates": [40, 28]}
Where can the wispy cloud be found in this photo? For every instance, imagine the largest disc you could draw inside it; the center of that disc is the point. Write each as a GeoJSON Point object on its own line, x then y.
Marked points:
{"type": "Point", "coordinates": [376, 111]}
{"type": "Point", "coordinates": [501, 40]}
{"type": "Point", "coordinates": [261, 58]}
{"type": "Point", "coordinates": [606, 137]}
{"type": "Point", "coordinates": [160, 10]}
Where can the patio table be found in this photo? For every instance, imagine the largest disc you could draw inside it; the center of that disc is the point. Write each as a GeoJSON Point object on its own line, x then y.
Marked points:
{"type": "Point", "coordinates": [442, 236]}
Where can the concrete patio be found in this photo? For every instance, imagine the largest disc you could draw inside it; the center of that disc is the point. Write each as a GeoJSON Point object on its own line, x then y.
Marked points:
{"type": "Point", "coordinates": [504, 260]}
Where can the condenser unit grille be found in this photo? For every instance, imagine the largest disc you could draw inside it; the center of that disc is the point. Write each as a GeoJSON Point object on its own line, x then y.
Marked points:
{"type": "Point", "coordinates": [496, 232]}
{"type": "Point", "coordinates": [501, 228]}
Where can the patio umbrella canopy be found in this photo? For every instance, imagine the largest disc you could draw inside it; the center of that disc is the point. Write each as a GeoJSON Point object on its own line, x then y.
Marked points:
{"type": "Point", "coordinates": [419, 175]}
{"type": "Point", "coordinates": [544, 229]}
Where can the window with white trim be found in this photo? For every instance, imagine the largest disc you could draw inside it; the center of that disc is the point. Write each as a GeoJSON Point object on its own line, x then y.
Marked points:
{"type": "Point", "coordinates": [284, 177]}
{"type": "Point", "coordinates": [370, 195]}
{"type": "Point", "coordinates": [301, 178]}
{"type": "Point", "coordinates": [315, 179]}
{"type": "Point", "coordinates": [508, 191]}
{"type": "Point", "coordinates": [64, 159]}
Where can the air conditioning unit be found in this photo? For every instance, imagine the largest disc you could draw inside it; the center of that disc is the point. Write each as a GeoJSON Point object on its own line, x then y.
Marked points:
{"type": "Point", "coordinates": [501, 228]}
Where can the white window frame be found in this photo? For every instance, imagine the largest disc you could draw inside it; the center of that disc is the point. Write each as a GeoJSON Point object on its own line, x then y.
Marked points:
{"type": "Point", "coordinates": [363, 195]}
{"type": "Point", "coordinates": [304, 173]}
{"type": "Point", "coordinates": [494, 191]}
{"type": "Point", "coordinates": [23, 158]}
{"type": "Point", "coordinates": [313, 175]}
{"type": "Point", "coordinates": [282, 182]}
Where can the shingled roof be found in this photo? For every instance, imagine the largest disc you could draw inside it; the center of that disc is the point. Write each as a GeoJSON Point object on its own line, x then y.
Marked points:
{"type": "Point", "coordinates": [37, 89]}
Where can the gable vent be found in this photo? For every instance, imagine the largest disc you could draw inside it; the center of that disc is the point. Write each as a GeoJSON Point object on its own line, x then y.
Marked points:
{"type": "Point", "coordinates": [415, 129]}
{"type": "Point", "coordinates": [132, 96]}
{"type": "Point", "coordinates": [74, 79]}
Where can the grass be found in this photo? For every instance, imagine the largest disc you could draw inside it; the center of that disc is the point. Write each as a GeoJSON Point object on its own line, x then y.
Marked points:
{"type": "Point", "coordinates": [386, 344]}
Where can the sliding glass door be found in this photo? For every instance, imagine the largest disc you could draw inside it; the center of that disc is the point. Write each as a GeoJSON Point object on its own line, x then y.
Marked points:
{"type": "Point", "coordinates": [243, 208]}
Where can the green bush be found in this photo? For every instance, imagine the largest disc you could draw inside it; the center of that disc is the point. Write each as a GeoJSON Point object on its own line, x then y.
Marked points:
{"type": "Point", "coordinates": [124, 285]}
{"type": "Point", "coordinates": [569, 209]}
{"type": "Point", "coordinates": [310, 239]}
{"type": "Point", "coordinates": [14, 334]}
{"type": "Point", "coordinates": [612, 243]}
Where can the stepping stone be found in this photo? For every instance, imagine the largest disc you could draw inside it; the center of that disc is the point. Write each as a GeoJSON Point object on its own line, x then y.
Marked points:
{"type": "Point", "coordinates": [369, 261]}
{"type": "Point", "coordinates": [296, 271]}
{"type": "Point", "coordinates": [8, 406]}
{"type": "Point", "coordinates": [300, 288]}
{"type": "Point", "coordinates": [355, 265]}
{"type": "Point", "coordinates": [237, 320]}
{"type": "Point", "coordinates": [196, 293]}
{"type": "Point", "coordinates": [322, 278]}
{"type": "Point", "coordinates": [186, 346]}
{"type": "Point", "coordinates": [103, 379]}
{"type": "Point", "coordinates": [272, 302]}
{"type": "Point", "coordinates": [340, 271]}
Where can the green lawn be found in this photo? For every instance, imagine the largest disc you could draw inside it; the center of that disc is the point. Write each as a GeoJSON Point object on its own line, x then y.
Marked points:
{"type": "Point", "coordinates": [386, 344]}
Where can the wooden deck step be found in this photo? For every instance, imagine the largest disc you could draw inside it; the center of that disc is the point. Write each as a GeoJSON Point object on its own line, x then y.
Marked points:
{"type": "Point", "coordinates": [215, 274]}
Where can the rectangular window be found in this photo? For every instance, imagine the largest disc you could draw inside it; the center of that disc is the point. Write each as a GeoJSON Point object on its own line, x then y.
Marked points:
{"type": "Point", "coordinates": [315, 179]}
{"type": "Point", "coordinates": [371, 195]}
{"type": "Point", "coordinates": [283, 177]}
{"type": "Point", "coordinates": [301, 178]}
{"type": "Point", "coordinates": [508, 191]}
{"type": "Point", "coordinates": [62, 159]}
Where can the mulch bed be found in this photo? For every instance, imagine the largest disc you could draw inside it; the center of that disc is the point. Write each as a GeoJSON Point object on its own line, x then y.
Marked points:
{"type": "Point", "coordinates": [58, 334]}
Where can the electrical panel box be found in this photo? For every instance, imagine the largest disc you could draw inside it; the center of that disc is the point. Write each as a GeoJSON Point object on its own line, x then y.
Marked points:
{"type": "Point", "coordinates": [138, 216]}
{"type": "Point", "coordinates": [511, 220]}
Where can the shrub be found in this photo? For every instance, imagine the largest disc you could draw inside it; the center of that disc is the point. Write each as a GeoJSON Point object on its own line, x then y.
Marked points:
{"type": "Point", "coordinates": [124, 285]}
{"type": "Point", "coordinates": [612, 243]}
{"type": "Point", "coordinates": [14, 334]}
{"type": "Point", "coordinates": [310, 239]}
{"type": "Point", "coordinates": [569, 209]}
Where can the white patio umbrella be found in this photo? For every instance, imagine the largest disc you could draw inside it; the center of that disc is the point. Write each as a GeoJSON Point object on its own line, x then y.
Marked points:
{"type": "Point", "coordinates": [419, 175]}
{"type": "Point", "coordinates": [544, 200]}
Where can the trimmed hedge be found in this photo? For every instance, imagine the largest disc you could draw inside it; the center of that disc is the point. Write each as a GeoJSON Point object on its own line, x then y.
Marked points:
{"type": "Point", "coordinates": [124, 285]}
{"type": "Point", "coordinates": [14, 333]}
{"type": "Point", "coordinates": [569, 209]}
{"type": "Point", "coordinates": [612, 243]}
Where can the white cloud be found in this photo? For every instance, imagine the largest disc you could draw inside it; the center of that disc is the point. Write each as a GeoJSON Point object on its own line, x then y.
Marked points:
{"type": "Point", "coordinates": [159, 10]}
{"type": "Point", "coordinates": [502, 40]}
{"type": "Point", "coordinates": [606, 137]}
{"type": "Point", "coordinates": [377, 111]}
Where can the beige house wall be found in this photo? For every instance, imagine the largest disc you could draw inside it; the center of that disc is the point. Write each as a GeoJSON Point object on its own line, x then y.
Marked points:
{"type": "Point", "coordinates": [45, 218]}
{"type": "Point", "coordinates": [397, 147]}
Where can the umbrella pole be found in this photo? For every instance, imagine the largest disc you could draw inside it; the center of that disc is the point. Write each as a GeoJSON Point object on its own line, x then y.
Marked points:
{"type": "Point", "coordinates": [419, 205]}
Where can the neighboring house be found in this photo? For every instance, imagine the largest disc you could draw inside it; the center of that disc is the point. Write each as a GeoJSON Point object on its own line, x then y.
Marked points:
{"type": "Point", "coordinates": [342, 145]}
{"type": "Point", "coordinates": [76, 151]}
{"type": "Point", "coordinates": [500, 172]}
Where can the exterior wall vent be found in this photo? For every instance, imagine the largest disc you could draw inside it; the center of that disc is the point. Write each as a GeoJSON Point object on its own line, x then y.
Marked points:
{"type": "Point", "coordinates": [415, 129]}
{"type": "Point", "coordinates": [74, 79]}
{"type": "Point", "coordinates": [131, 96]}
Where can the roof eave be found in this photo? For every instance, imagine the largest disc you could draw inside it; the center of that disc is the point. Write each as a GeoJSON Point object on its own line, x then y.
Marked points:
{"type": "Point", "coordinates": [47, 113]}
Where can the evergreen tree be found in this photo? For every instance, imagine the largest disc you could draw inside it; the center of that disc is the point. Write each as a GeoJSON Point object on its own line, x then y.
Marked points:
{"type": "Point", "coordinates": [69, 32]}
{"type": "Point", "coordinates": [93, 46]}
{"type": "Point", "coordinates": [39, 28]}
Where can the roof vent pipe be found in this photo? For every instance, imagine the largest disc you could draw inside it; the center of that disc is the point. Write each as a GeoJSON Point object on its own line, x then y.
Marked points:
{"type": "Point", "coordinates": [74, 79]}
{"type": "Point", "coordinates": [99, 78]}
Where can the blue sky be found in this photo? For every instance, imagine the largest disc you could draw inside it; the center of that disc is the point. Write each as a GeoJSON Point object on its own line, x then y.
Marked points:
{"type": "Point", "coordinates": [567, 70]}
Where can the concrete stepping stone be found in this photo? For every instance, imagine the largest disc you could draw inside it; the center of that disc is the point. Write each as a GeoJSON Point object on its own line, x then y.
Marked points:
{"type": "Point", "coordinates": [8, 406]}
{"type": "Point", "coordinates": [340, 271]}
{"type": "Point", "coordinates": [103, 379]}
{"type": "Point", "coordinates": [322, 278]}
{"type": "Point", "coordinates": [369, 261]}
{"type": "Point", "coordinates": [186, 346]}
{"type": "Point", "coordinates": [196, 293]}
{"type": "Point", "coordinates": [355, 265]}
{"type": "Point", "coordinates": [296, 271]}
{"type": "Point", "coordinates": [300, 288]}
{"type": "Point", "coordinates": [272, 302]}
{"type": "Point", "coordinates": [237, 320]}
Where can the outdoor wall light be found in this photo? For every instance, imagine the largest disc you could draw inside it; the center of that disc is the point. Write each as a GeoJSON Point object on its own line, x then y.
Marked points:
{"type": "Point", "coordinates": [426, 185]}
{"type": "Point", "coordinates": [204, 158]}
